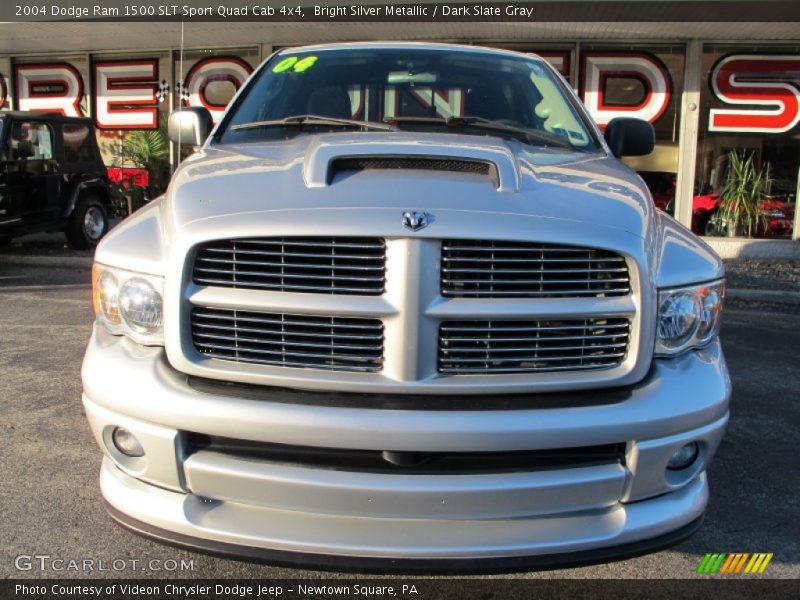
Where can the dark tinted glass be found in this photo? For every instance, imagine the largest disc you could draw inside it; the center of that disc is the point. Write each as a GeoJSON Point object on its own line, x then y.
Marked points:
{"type": "Point", "coordinates": [384, 85]}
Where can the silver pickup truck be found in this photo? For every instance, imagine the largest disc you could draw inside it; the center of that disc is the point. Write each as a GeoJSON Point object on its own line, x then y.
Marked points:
{"type": "Point", "coordinates": [405, 308]}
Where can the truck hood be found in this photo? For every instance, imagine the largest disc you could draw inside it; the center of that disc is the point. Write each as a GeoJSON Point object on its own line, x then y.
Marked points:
{"type": "Point", "coordinates": [301, 175]}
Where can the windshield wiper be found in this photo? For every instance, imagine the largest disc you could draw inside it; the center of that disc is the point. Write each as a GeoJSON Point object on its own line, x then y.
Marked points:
{"type": "Point", "coordinates": [483, 123]}
{"type": "Point", "coordinates": [313, 120]}
{"type": "Point", "coordinates": [496, 126]}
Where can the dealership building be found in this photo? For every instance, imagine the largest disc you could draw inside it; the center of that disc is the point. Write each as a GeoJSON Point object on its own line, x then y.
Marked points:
{"type": "Point", "coordinates": [709, 87]}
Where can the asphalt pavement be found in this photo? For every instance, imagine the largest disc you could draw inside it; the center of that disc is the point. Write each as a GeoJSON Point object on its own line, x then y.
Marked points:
{"type": "Point", "coordinates": [50, 500]}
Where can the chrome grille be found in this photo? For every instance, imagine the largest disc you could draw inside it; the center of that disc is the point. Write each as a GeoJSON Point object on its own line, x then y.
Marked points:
{"type": "Point", "coordinates": [486, 269]}
{"type": "Point", "coordinates": [322, 265]}
{"type": "Point", "coordinates": [489, 347]}
{"type": "Point", "coordinates": [284, 340]}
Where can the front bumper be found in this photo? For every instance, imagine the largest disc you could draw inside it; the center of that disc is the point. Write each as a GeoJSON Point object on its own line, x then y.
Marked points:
{"type": "Point", "coordinates": [254, 508]}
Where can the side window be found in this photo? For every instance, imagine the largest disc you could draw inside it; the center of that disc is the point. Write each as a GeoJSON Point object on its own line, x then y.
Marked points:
{"type": "Point", "coordinates": [29, 140]}
{"type": "Point", "coordinates": [77, 143]}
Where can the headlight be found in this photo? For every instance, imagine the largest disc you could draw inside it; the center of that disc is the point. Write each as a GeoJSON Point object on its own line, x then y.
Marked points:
{"type": "Point", "coordinates": [128, 303]}
{"type": "Point", "coordinates": [688, 317]}
{"type": "Point", "coordinates": [140, 306]}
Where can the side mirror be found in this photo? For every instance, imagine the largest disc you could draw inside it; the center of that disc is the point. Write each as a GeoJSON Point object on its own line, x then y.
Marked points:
{"type": "Point", "coordinates": [190, 125]}
{"type": "Point", "coordinates": [630, 137]}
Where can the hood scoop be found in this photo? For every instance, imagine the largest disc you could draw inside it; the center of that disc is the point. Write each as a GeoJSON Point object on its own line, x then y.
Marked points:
{"type": "Point", "coordinates": [414, 163]}
{"type": "Point", "coordinates": [325, 159]}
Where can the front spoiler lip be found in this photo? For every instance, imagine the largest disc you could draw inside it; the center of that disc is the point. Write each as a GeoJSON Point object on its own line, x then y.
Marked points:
{"type": "Point", "coordinates": [431, 566]}
{"type": "Point", "coordinates": [389, 544]}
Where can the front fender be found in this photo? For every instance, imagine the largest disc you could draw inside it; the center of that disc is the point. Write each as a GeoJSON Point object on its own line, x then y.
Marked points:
{"type": "Point", "coordinates": [139, 243]}
{"type": "Point", "coordinates": [75, 191]}
{"type": "Point", "coordinates": [683, 258]}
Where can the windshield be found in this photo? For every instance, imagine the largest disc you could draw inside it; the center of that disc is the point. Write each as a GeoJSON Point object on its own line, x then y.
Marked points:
{"type": "Point", "coordinates": [408, 89]}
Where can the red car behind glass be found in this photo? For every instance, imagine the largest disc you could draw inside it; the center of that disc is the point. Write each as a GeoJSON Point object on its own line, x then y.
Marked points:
{"type": "Point", "coordinates": [779, 212]}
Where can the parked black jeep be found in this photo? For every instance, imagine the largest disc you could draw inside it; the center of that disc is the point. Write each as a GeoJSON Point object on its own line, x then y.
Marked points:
{"type": "Point", "coordinates": [52, 178]}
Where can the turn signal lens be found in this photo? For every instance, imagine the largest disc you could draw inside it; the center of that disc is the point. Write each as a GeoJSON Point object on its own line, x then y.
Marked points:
{"type": "Point", "coordinates": [105, 291]}
{"type": "Point", "coordinates": [711, 312]}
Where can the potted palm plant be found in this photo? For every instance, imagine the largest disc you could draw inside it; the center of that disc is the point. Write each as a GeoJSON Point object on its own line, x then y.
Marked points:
{"type": "Point", "coordinates": [146, 149]}
{"type": "Point", "coordinates": [142, 149]}
{"type": "Point", "coordinates": [744, 188]}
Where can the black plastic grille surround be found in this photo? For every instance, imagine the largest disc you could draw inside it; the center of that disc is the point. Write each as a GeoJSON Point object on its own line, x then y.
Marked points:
{"type": "Point", "coordinates": [408, 463]}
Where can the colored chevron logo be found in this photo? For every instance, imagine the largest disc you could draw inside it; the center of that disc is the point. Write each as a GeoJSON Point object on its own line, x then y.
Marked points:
{"type": "Point", "coordinates": [734, 563]}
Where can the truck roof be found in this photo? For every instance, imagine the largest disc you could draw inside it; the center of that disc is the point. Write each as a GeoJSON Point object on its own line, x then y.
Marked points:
{"type": "Point", "coordinates": [49, 116]}
{"type": "Point", "coordinates": [404, 46]}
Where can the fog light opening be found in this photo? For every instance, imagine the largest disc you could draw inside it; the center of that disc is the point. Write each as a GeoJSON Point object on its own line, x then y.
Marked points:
{"type": "Point", "coordinates": [683, 457]}
{"type": "Point", "coordinates": [126, 443]}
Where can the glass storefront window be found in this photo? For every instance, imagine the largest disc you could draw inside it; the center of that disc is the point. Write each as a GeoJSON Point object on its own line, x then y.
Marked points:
{"type": "Point", "coordinates": [130, 107]}
{"type": "Point", "coordinates": [558, 55]}
{"type": "Point", "coordinates": [750, 110]}
{"type": "Point", "coordinates": [210, 78]}
{"type": "Point", "coordinates": [642, 82]}
{"type": "Point", "coordinates": [50, 84]}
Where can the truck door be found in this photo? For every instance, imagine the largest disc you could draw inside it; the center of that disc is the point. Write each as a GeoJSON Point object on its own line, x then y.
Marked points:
{"type": "Point", "coordinates": [31, 171]}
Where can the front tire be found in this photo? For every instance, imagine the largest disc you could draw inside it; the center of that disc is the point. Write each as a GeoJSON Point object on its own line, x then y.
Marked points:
{"type": "Point", "coordinates": [87, 224]}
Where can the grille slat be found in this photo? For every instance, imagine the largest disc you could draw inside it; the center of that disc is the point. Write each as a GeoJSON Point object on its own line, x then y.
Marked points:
{"type": "Point", "coordinates": [324, 265]}
{"type": "Point", "coordinates": [294, 254]}
{"type": "Point", "coordinates": [532, 359]}
{"type": "Point", "coordinates": [487, 269]}
{"type": "Point", "coordinates": [293, 334]}
{"type": "Point", "coordinates": [305, 244]}
{"type": "Point", "coordinates": [525, 271]}
{"type": "Point", "coordinates": [537, 349]}
{"type": "Point", "coordinates": [499, 259]}
{"type": "Point", "coordinates": [304, 276]}
{"type": "Point", "coordinates": [307, 321]}
{"type": "Point", "coordinates": [290, 344]}
{"type": "Point", "coordinates": [262, 263]}
{"type": "Point", "coordinates": [496, 347]}
{"type": "Point", "coordinates": [492, 326]}
{"type": "Point", "coordinates": [517, 247]}
{"type": "Point", "coordinates": [510, 370]}
{"type": "Point", "coordinates": [489, 279]}
{"type": "Point", "coordinates": [284, 288]}
{"type": "Point", "coordinates": [291, 355]}
{"type": "Point", "coordinates": [259, 341]}
{"type": "Point", "coordinates": [607, 338]}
